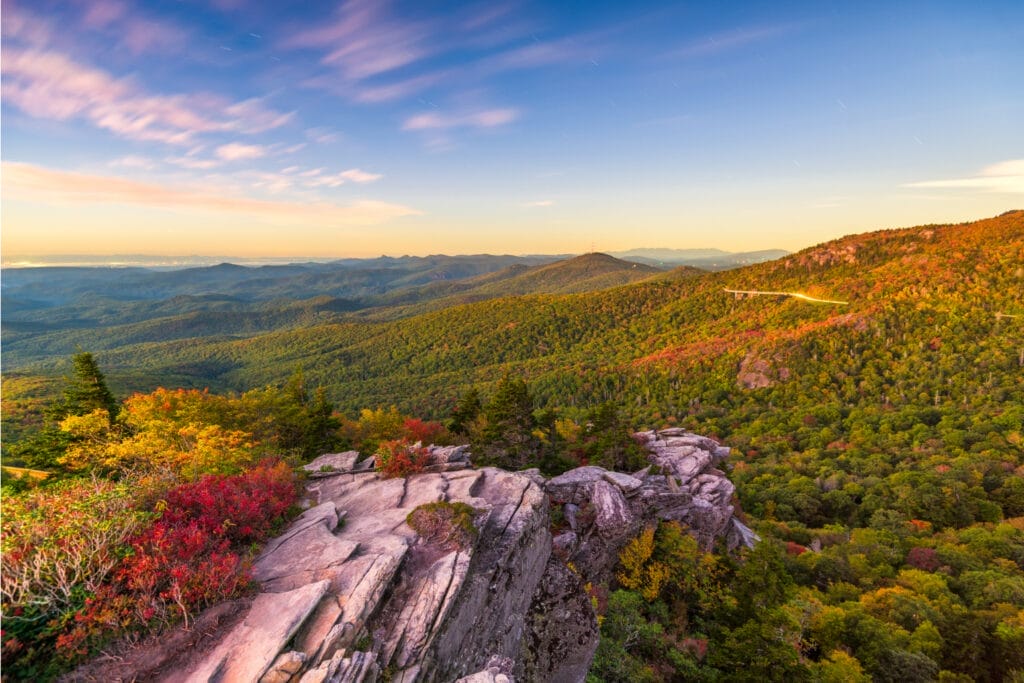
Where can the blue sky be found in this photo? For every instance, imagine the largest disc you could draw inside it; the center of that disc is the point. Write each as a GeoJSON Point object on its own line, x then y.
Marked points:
{"type": "Point", "coordinates": [366, 127]}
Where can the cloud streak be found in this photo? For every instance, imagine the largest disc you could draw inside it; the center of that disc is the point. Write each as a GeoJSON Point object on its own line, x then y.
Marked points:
{"type": "Point", "coordinates": [237, 152]}
{"type": "Point", "coordinates": [1005, 177]}
{"type": "Point", "coordinates": [486, 118]}
{"type": "Point", "coordinates": [48, 84]}
{"type": "Point", "coordinates": [23, 181]}
{"type": "Point", "coordinates": [727, 41]}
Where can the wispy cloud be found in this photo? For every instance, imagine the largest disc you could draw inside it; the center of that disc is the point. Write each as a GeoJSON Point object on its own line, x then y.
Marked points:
{"type": "Point", "coordinates": [50, 85]}
{"type": "Point", "coordinates": [360, 176]}
{"type": "Point", "coordinates": [23, 181]}
{"type": "Point", "coordinates": [322, 136]}
{"type": "Point", "coordinates": [734, 39]}
{"type": "Point", "coordinates": [373, 56]}
{"type": "Point", "coordinates": [252, 116]}
{"type": "Point", "coordinates": [486, 118]}
{"type": "Point", "coordinates": [194, 163]}
{"type": "Point", "coordinates": [540, 204]}
{"type": "Point", "coordinates": [235, 151]}
{"type": "Point", "coordinates": [133, 161]}
{"type": "Point", "coordinates": [116, 20]}
{"type": "Point", "coordinates": [362, 41]}
{"type": "Point", "coordinates": [1005, 177]}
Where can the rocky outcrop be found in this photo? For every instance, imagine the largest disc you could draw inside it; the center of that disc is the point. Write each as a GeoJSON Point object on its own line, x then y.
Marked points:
{"type": "Point", "coordinates": [604, 510]}
{"type": "Point", "coordinates": [350, 592]}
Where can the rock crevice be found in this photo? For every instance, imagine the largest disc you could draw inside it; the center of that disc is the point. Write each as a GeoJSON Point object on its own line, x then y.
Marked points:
{"type": "Point", "coordinates": [350, 591]}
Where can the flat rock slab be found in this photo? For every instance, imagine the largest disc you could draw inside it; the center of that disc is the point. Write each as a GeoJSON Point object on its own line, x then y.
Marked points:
{"type": "Point", "coordinates": [305, 553]}
{"type": "Point", "coordinates": [628, 484]}
{"type": "Point", "coordinates": [272, 621]}
{"type": "Point", "coordinates": [336, 462]}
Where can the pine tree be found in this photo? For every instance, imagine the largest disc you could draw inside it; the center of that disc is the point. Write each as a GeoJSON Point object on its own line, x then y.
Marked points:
{"type": "Point", "coordinates": [507, 438]}
{"type": "Point", "coordinates": [464, 412]}
{"type": "Point", "coordinates": [86, 390]}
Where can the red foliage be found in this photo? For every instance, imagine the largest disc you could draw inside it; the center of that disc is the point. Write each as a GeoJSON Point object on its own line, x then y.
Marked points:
{"type": "Point", "coordinates": [400, 458]}
{"type": "Point", "coordinates": [923, 558]}
{"type": "Point", "coordinates": [920, 526]}
{"type": "Point", "coordinates": [191, 557]}
{"type": "Point", "coordinates": [424, 432]}
{"type": "Point", "coordinates": [794, 548]}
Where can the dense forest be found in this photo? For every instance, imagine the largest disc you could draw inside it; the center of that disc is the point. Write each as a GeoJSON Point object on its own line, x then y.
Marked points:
{"type": "Point", "coordinates": [878, 445]}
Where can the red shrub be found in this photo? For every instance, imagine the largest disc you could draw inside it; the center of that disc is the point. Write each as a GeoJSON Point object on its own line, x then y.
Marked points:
{"type": "Point", "coordinates": [795, 548]}
{"type": "Point", "coordinates": [424, 432]}
{"type": "Point", "coordinates": [698, 647]}
{"type": "Point", "coordinates": [401, 458]}
{"type": "Point", "coordinates": [191, 557]}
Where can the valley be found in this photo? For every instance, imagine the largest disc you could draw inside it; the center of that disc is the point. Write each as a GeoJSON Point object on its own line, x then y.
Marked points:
{"type": "Point", "coordinates": [872, 401]}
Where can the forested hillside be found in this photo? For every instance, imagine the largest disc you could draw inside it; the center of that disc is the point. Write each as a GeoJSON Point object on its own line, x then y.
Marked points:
{"type": "Point", "coordinates": [877, 444]}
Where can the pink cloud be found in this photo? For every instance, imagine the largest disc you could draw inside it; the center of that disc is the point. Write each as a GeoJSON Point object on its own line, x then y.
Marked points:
{"type": "Point", "coordinates": [102, 13]}
{"type": "Point", "coordinates": [488, 118]}
{"type": "Point", "coordinates": [29, 182]}
{"type": "Point", "coordinates": [362, 43]}
{"type": "Point", "coordinates": [50, 85]}
{"type": "Point", "coordinates": [145, 35]}
{"type": "Point", "coordinates": [359, 176]}
{"type": "Point", "coordinates": [253, 117]}
{"type": "Point", "coordinates": [237, 152]}
{"type": "Point", "coordinates": [24, 26]}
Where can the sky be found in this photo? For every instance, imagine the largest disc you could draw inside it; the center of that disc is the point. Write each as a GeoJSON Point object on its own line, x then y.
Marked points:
{"type": "Point", "coordinates": [368, 127]}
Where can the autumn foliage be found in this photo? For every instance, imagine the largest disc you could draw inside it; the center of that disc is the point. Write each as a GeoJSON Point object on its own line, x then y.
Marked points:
{"type": "Point", "coordinates": [193, 555]}
{"type": "Point", "coordinates": [400, 458]}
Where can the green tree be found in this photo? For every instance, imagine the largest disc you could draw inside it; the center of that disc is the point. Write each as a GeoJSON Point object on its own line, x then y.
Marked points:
{"type": "Point", "coordinates": [86, 390]}
{"type": "Point", "coordinates": [306, 424]}
{"type": "Point", "coordinates": [507, 437]}
{"type": "Point", "coordinates": [465, 412]}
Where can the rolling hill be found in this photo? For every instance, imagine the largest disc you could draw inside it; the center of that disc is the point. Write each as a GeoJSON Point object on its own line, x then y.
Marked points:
{"type": "Point", "coordinates": [905, 287]}
{"type": "Point", "coordinates": [876, 444]}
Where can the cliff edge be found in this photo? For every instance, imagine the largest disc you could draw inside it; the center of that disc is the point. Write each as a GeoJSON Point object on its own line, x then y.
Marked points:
{"type": "Point", "coordinates": [352, 593]}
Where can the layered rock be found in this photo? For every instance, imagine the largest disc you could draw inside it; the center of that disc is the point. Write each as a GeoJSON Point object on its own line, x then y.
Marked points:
{"type": "Point", "coordinates": [603, 510]}
{"type": "Point", "coordinates": [351, 593]}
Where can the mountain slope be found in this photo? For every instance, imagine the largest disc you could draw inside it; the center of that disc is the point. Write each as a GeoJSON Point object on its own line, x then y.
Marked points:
{"type": "Point", "coordinates": [904, 287]}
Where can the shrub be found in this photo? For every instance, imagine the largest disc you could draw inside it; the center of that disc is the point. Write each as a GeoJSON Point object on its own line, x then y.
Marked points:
{"type": "Point", "coordinates": [195, 554]}
{"type": "Point", "coordinates": [449, 525]}
{"type": "Point", "coordinates": [400, 458]}
{"type": "Point", "coordinates": [425, 432]}
{"type": "Point", "coordinates": [59, 544]}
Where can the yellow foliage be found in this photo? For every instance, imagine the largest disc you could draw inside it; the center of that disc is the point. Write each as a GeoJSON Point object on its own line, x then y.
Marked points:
{"type": "Point", "coordinates": [639, 571]}
{"type": "Point", "coordinates": [633, 559]}
{"type": "Point", "coordinates": [94, 436]}
{"type": "Point", "coordinates": [567, 430]}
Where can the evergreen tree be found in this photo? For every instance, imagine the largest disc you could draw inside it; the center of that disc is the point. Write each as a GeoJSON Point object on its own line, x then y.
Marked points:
{"type": "Point", "coordinates": [305, 424]}
{"type": "Point", "coordinates": [86, 390]}
{"type": "Point", "coordinates": [507, 437]}
{"type": "Point", "coordinates": [465, 412]}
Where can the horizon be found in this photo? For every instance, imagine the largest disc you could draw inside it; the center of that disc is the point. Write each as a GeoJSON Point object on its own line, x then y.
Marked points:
{"type": "Point", "coordinates": [174, 261]}
{"type": "Point", "coordinates": [351, 129]}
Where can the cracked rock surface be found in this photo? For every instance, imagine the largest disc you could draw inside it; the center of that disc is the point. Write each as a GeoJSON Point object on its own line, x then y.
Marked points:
{"type": "Point", "coordinates": [350, 593]}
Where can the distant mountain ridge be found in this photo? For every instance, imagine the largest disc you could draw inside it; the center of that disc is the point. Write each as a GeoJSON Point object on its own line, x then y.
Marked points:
{"type": "Point", "coordinates": [449, 331]}
{"type": "Point", "coordinates": [705, 259]}
{"type": "Point", "coordinates": [50, 312]}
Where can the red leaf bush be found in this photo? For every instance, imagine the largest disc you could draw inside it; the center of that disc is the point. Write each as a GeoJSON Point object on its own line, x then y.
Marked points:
{"type": "Point", "coordinates": [195, 554]}
{"type": "Point", "coordinates": [400, 458]}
